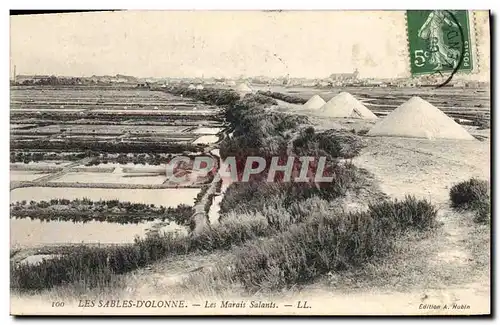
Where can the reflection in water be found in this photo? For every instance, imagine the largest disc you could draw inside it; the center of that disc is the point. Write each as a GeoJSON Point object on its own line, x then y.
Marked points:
{"type": "Point", "coordinates": [27, 232]}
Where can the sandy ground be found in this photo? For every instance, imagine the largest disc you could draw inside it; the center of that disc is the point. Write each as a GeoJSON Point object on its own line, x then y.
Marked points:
{"type": "Point", "coordinates": [424, 168]}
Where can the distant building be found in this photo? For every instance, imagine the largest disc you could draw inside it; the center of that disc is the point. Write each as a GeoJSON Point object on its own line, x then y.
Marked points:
{"type": "Point", "coordinates": [286, 80]}
{"type": "Point", "coordinates": [343, 77]}
{"type": "Point", "coordinates": [30, 78]}
{"type": "Point", "coordinates": [323, 84]}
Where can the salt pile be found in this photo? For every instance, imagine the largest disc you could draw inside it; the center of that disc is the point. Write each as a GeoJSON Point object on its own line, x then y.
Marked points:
{"type": "Point", "coordinates": [191, 86]}
{"type": "Point", "coordinates": [199, 87]}
{"type": "Point", "coordinates": [315, 102]}
{"type": "Point", "coordinates": [345, 105]}
{"type": "Point", "coordinates": [417, 118]}
{"type": "Point", "coordinates": [243, 89]}
{"type": "Point", "coordinates": [118, 170]}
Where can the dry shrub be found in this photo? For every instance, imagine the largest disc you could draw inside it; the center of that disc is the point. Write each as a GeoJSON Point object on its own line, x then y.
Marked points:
{"type": "Point", "coordinates": [473, 195]}
{"type": "Point", "coordinates": [331, 241]}
{"type": "Point", "coordinates": [463, 195]}
{"type": "Point", "coordinates": [406, 214]}
{"type": "Point", "coordinates": [482, 210]}
{"type": "Point", "coordinates": [284, 97]}
{"type": "Point", "coordinates": [259, 98]}
{"type": "Point", "coordinates": [331, 143]}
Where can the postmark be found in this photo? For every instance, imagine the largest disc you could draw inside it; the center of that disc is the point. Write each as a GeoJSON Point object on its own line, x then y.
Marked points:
{"type": "Point", "coordinates": [439, 42]}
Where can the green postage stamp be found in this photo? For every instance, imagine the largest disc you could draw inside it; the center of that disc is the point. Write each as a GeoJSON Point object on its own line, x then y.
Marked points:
{"type": "Point", "coordinates": [439, 41]}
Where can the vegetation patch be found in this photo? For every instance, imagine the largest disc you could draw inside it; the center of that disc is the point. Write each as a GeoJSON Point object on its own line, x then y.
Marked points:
{"type": "Point", "coordinates": [85, 210]}
{"type": "Point", "coordinates": [257, 131]}
{"type": "Point", "coordinates": [473, 195]}
{"type": "Point", "coordinates": [464, 194]}
{"type": "Point", "coordinates": [211, 196]}
{"type": "Point", "coordinates": [252, 196]}
{"type": "Point", "coordinates": [262, 99]}
{"type": "Point", "coordinates": [330, 242]}
{"type": "Point", "coordinates": [110, 118]}
{"type": "Point", "coordinates": [106, 146]}
{"type": "Point", "coordinates": [284, 97]}
{"type": "Point", "coordinates": [331, 143]}
{"type": "Point", "coordinates": [36, 156]}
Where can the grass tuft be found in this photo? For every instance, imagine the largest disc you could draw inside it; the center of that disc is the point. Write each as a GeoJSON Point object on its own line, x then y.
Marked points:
{"type": "Point", "coordinates": [330, 242]}
{"type": "Point", "coordinates": [406, 214]}
{"type": "Point", "coordinates": [464, 194]}
{"type": "Point", "coordinates": [473, 195]}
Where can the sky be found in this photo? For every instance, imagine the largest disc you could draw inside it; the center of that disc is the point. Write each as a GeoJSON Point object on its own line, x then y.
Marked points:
{"type": "Point", "coordinates": [311, 44]}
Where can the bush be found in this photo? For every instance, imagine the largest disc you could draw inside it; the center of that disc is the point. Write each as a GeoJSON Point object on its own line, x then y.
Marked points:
{"type": "Point", "coordinates": [79, 210]}
{"type": "Point", "coordinates": [465, 194]}
{"type": "Point", "coordinates": [257, 131]}
{"type": "Point", "coordinates": [253, 195]}
{"type": "Point", "coordinates": [305, 251]}
{"type": "Point", "coordinates": [482, 210]}
{"type": "Point", "coordinates": [110, 147]}
{"type": "Point", "coordinates": [90, 265]}
{"type": "Point", "coordinates": [261, 99]}
{"type": "Point", "coordinates": [331, 143]}
{"type": "Point", "coordinates": [473, 195]}
{"type": "Point", "coordinates": [296, 244]}
{"type": "Point", "coordinates": [407, 214]}
{"type": "Point", "coordinates": [329, 242]}
{"type": "Point", "coordinates": [284, 97]}
{"type": "Point", "coordinates": [27, 157]}
{"type": "Point", "coordinates": [220, 97]}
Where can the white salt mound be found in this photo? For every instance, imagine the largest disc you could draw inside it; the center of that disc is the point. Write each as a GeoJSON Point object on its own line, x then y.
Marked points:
{"type": "Point", "coordinates": [417, 118]}
{"type": "Point", "coordinates": [191, 86]}
{"type": "Point", "coordinates": [243, 88]}
{"type": "Point", "coordinates": [315, 102]}
{"type": "Point", "coordinates": [118, 170]}
{"type": "Point", "coordinates": [199, 87]}
{"type": "Point", "coordinates": [345, 105]}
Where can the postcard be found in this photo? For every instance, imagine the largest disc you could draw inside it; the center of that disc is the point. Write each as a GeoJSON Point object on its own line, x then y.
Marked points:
{"type": "Point", "coordinates": [250, 163]}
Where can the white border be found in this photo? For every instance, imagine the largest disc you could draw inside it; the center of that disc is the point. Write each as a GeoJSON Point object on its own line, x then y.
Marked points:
{"type": "Point", "coordinates": [252, 5]}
